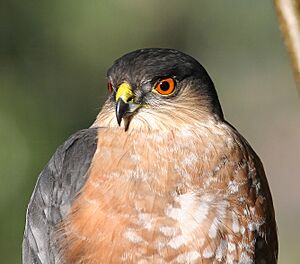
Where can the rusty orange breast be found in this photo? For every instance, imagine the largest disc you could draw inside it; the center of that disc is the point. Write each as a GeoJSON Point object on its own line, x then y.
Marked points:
{"type": "Point", "coordinates": [143, 200]}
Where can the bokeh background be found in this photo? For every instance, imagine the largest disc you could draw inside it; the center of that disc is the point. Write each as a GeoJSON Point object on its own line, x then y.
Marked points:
{"type": "Point", "coordinates": [54, 55]}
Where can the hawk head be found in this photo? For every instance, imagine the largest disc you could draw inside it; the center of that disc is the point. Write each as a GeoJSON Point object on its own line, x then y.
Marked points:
{"type": "Point", "coordinates": [158, 88]}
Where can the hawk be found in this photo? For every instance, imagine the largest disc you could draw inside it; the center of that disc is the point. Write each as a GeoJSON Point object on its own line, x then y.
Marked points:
{"type": "Point", "coordinates": [160, 177]}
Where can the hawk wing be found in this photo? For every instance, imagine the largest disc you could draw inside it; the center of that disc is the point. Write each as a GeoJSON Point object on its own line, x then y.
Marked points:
{"type": "Point", "coordinates": [256, 214]}
{"type": "Point", "coordinates": [56, 188]}
{"type": "Point", "coordinates": [266, 246]}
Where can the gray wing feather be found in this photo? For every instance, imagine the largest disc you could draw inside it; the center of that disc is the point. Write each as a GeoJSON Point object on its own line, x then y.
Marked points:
{"type": "Point", "coordinates": [56, 188]}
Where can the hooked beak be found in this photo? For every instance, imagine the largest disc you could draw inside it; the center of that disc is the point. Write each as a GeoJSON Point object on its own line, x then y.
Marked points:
{"type": "Point", "coordinates": [125, 105]}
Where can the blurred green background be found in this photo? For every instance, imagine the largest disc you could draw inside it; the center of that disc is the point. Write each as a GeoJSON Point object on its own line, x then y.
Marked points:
{"type": "Point", "coordinates": [54, 55]}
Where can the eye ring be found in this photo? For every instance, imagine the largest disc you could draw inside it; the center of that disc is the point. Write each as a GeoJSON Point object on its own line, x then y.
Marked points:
{"type": "Point", "coordinates": [109, 87]}
{"type": "Point", "coordinates": [165, 86]}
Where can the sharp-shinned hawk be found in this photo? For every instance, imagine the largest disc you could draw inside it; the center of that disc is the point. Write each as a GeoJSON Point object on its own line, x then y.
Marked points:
{"type": "Point", "coordinates": [160, 177]}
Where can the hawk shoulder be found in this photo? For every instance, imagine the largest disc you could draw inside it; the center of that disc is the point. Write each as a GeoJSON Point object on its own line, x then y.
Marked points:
{"type": "Point", "coordinates": [56, 187]}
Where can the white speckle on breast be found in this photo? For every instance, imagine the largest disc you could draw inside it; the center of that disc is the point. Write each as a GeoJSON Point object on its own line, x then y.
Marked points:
{"type": "Point", "coordinates": [94, 202]}
{"type": "Point", "coordinates": [242, 230]}
{"type": "Point", "coordinates": [177, 242]}
{"type": "Point", "coordinates": [200, 213]}
{"type": "Point", "coordinates": [210, 180]}
{"type": "Point", "coordinates": [230, 260]}
{"type": "Point", "coordinates": [242, 199]}
{"type": "Point", "coordinates": [188, 257]}
{"type": "Point", "coordinates": [174, 213]}
{"type": "Point", "coordinates": [143, 261]}
{"type": "Point", "coordinates": [186, 132]}
{"type": "Point", "coordinates": [127, 255]}
{"type": "Point", "coordinates": [145, 220]}
{"type": "Point", "coordinates": [220, 252]}
{"type": "Point", "coordinates": [231, 247]}
{"type": "Point", "coordinates": [168, 230]}
{"type": "Point", "coordinates": [246, 212]}
{"type": "Point", "coordinates": [235, 223]}
{"type": "Point", "coordinates": [245, 259]}
{"type": "Point", "coordinates": [95, 183]}
{"type": "Point", "coordinates": [212, 232]}
{"type": "Point", "coordinates": [133, 237]}
{"type": "Point", "coordinates": [252, 226]}
{"type": "Point", "coordinates": [135, 157]}
{"type": "Point", "coordinates": [207, 253]}
{"type": "Point", "coordinates": [190, 159]}
{"type": "Point", "coordinates": [233, 187]}
{"type": "Point", "coordinates": [191, 212]}
{"type": "Point", "coordinates": [201, 241]}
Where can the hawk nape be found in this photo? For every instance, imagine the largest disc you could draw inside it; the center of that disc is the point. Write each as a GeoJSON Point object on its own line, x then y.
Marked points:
{"type": "Point", "coordinates": [160, 177]}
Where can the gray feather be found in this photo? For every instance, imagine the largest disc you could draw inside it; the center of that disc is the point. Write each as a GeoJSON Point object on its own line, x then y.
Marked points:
{"type": "Point", "coordinates": [56, 188]}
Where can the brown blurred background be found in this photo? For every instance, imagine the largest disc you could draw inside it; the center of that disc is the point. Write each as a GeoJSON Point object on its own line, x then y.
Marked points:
{"type": "Point", "coordinates": [54, 55]}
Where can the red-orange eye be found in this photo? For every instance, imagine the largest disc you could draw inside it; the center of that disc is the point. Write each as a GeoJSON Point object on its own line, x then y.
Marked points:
{"type": "Point", "coordinates": [109, 87]}
{"type": "Point", "coordinates": [165, 86]}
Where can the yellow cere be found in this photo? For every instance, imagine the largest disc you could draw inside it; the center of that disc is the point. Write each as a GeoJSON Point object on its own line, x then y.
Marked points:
{"type": "Point", "coordinates": [124, 92]}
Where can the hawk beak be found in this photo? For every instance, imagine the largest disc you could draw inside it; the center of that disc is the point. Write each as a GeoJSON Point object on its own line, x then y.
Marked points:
{"type": "Point", "coordinates": [125, 105]}
{"type": "Point", "coordinates": [121, 109]}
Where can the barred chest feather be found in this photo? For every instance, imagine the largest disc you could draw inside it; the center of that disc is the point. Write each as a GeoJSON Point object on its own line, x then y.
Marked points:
{"type": "Point", "coordinates": [185, 196]}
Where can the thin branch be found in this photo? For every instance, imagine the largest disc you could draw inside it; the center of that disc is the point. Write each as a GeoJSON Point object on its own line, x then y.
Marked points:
{"type": "Point", "coordinates": [288, 12]}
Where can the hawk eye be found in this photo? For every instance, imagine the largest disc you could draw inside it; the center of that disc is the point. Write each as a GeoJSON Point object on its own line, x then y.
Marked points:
{"type": "Point", "coordinates": [109, 87]}
{"type": "Point", "coordinates": [165, 86]}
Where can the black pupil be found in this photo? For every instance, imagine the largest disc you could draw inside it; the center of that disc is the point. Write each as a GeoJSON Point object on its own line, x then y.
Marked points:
{"type": "Point", "coordinates": [164, 86]}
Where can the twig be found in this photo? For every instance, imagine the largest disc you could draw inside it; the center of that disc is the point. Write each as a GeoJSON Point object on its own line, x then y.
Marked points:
{"type": "Point", "coordinates": [288, 12]}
